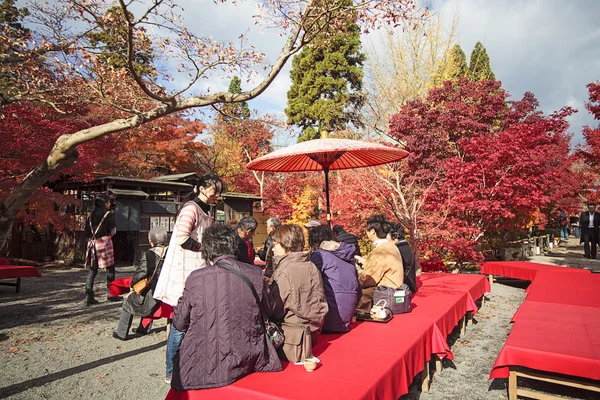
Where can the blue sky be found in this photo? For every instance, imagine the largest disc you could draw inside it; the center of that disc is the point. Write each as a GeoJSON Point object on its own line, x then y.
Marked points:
{"type": "Point", "coordinates": [548, 47]}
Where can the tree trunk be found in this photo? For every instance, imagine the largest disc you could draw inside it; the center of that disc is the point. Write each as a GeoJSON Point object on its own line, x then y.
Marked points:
{"type": "Point", "coordinates": [415, 240]}
{"type": "Point", "coordinates": [60, 157]}
{"type": "Point", "coordinates": [64, 153]}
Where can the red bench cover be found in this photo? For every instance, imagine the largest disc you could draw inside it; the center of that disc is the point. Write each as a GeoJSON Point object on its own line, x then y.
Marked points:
{"type": "Point", "coordinates": [557, 338]}
{"type": "Point", "coordinates": [372, 361]}
{"type": "Point", "coordinates": [519, 269]}
{"type": "Point", "coordinates": [18, 271]}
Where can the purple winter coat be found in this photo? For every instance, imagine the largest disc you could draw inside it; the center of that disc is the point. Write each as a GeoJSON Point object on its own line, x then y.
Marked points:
{"type": "Point", "coordinates": [340, 281]}
{"type": "Point", "coordinates": [224, 336]}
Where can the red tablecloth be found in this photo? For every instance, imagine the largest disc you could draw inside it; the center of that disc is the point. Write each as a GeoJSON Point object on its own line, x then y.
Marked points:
{"type": "Point", "coordinates": [558, 338]}
{"type": "Point", "coordinates": [518, 269]}
{"type": "Point", "coordinates": [18, 271]}
{"type": "Point", "coordinates": [373, 360]}
{"type": "Point", "coordinates": [565, 287]}
{"type": "Point", "coordinates": [474, 284]}
{"type": "Point", "coordinates": [121, 286]}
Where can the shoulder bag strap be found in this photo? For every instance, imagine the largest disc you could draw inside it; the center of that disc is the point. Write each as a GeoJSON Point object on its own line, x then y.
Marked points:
{"type": "Point", "coordinates": [91, 227]}
{"type": "Point", "coordinates": [245, 279]}
{"type": "Point", "coordinates": [99, 225]}
{"type": "Point", "coordinates": [158, 263]}
{"type": "Point", "coordinates": [250, 285]}
{"type": "Point", "coordinates": [263, 317]}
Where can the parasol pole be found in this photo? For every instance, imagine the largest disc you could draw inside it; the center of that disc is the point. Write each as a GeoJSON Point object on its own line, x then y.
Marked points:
{"type": "Point", "coordinates": [326, 169]}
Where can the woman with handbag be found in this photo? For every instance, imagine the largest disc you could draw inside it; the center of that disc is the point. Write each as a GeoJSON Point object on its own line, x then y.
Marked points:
{"type": "Point", "coordinates": [297, 288]}
{"type": "Point", "coordinates": [140, 301]}
{"type": "Point", "coordinates": [100, 227]}
{"type": "Point", "coordinates": [223, 312]}
{"type": "Point", "coordinates": [383, 266]}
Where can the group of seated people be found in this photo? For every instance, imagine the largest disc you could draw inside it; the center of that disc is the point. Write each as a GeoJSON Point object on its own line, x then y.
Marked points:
{"type": "Point", "coordinates": [303, 292]}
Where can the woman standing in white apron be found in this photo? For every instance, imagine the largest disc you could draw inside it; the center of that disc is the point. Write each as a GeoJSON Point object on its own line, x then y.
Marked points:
{"type": "Point", "coordinates": [185, 252]}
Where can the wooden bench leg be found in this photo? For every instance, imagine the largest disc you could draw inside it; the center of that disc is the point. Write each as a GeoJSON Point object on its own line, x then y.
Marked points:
{"type": "Point", "coordinates": [438, 364]}
{"type": "Point", "coordinates": [16, 285]}
{"type": "Point", "coordinates": [469, 318]}
{"type": "Point", "coordinates": [491, 279]}
{"type": "Point", "coordinates": [512, 385]}
{"type": "Point", "coordinates": [482, 301]}
{"type": "Point", "coordinates": [462, 324]}
{"type": "Point", "coordinates": [425, 378]}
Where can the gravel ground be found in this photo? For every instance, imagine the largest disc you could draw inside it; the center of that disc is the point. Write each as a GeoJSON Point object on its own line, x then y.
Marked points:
{"type": "Point", "coordinates": [54, 347]}
{"type": "Point", "coordinates": [475, 352]}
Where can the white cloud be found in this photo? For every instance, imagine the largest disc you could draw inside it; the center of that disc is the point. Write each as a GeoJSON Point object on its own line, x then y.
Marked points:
{"type": "Point", "coordinates": [548, 47]}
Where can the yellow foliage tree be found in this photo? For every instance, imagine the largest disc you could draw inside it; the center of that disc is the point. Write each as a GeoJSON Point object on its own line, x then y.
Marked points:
{"type": "Point", "coordinates": [303, 205]}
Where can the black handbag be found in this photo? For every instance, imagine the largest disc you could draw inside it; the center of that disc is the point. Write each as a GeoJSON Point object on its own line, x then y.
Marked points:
{"type": "Point", "coordinates": [398, 300]}
{"type": "Point", "coordinates": [272, 331]}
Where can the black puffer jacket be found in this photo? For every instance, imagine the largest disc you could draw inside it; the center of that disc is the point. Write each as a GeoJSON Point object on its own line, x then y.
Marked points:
{"type": "Point", "coordinates": [349, 238]}
{"type": "Point", "coordinates": [410, 273]}
{"type": "Point", "coordinates": [224, 338]}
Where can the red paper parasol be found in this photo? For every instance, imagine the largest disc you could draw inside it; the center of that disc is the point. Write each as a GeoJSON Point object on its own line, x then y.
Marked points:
{"type": "Point", "coordinates": [327, 154]}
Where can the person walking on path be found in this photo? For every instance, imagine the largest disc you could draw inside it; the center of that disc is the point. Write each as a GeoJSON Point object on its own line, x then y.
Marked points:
{"type": "Point", "coordinates": [185, 252]}
{"type": "Point", "coordinates": [574, 221]}
{"type": "Point", "coordinates": [564, 224]}
{"type": "Point", "coordinates": [100, 227]}
{"type": "Point", "coordinates": [589, 223]}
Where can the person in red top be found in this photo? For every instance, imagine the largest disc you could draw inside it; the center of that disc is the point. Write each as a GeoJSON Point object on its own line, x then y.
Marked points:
{"type": "Point", "coordinates": [246, 228]}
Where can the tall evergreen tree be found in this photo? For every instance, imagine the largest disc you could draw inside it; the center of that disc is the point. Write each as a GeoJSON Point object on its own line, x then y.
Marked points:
{"type": "Point", "coordinates": [235, 111]}
{"type": "Point", "coordinates": [12, 17]}
{"type": "Point", "coordinates": [454, 67]}
{"type": "Point", "coordinates": [479, 67]}
{"type": "Point", "coordinates": [112, 43]}
{"type": "Point", "coordinates": [327, 84]}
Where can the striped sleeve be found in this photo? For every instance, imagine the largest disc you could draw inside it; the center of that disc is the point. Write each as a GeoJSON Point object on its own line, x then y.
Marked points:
{"type": "Point", "coordinates": [186, 222]}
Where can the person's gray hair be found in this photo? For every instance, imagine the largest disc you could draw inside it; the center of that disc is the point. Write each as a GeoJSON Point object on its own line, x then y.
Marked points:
{"type": "Point", "coordinates": [273, 222]}
{"type": "Point", "coordinates": [158, 235]}
{"type": "Point", "coordinates": [247, 224]}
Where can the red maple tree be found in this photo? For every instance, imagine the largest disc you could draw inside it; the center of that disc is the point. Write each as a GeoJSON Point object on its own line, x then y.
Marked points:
{"type": "Point", "coordinates": [481, 164]}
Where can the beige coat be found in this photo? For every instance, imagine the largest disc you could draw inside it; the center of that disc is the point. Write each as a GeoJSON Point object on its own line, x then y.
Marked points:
{"type": "Point", "coordinates": [383, 267]}
{"type": "Point", "coordinates": [297, 289]}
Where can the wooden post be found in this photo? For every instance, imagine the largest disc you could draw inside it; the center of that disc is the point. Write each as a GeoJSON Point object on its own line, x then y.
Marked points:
{"type": "Point", "coordinates": [469, 318]}
{"type": "Point", "coordinates": [425, 378]}
{"type": "Point", "coordinates": [512, 384]}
